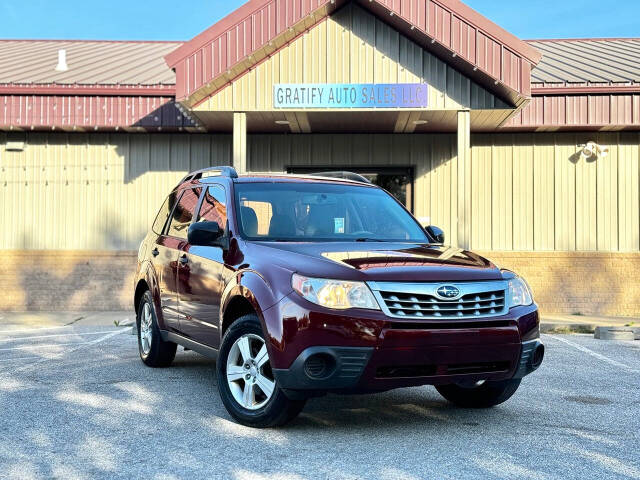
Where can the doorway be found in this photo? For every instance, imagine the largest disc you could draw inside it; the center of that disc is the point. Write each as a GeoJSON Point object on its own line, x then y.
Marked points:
{"type": "Point", "coordinates": [398, 181]}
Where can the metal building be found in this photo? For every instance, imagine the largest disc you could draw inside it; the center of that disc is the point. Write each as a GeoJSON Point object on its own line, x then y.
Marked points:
{"type": "Point", "coordinates": [526, 151]}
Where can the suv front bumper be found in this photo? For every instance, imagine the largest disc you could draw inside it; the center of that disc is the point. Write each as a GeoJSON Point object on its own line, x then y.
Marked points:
{"type": "Point", "coordinates": [326, 368]}
{"type": "Point", "coordinates": [317, 349]}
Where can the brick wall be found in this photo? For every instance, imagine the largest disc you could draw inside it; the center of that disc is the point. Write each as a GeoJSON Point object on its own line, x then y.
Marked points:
{"type": "Point", "coordinates": [66, 280]}
{"type": "Point", "coordinates": [563, 282]}
{"type": "Point", "coordinates": [588, 283]}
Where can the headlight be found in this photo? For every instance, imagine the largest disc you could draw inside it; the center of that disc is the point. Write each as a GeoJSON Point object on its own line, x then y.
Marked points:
{"type": "Point", "coordinates": [519, 293]}
{"type": "Point", "coordinates": [339, 294]}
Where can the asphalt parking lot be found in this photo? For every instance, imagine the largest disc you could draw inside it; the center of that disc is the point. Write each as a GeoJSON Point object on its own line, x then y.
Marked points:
{"type": "Point", "coordinates": [76, 402]}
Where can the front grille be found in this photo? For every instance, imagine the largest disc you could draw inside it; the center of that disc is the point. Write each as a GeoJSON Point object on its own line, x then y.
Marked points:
{"type": "Point", "coordinates": [418, 305]}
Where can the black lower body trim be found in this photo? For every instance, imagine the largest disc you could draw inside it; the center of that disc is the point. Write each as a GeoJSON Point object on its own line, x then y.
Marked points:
{"type": "Point", "coordinates": [325, 368]}
{"type": "Point", "coordinates": [189, 344]}
{"type": "Point", "coordinates": [530, 358]}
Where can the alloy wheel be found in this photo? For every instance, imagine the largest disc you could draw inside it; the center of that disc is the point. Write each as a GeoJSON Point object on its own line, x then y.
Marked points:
{"type": "Point", "coordinates": [146, 331]}
{"type": "Point", "coordinates": [249, 374]}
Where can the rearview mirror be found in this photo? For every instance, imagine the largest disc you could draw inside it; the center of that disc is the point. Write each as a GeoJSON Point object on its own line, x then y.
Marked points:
{"type": "Point", "coordinates": [206, 234]}
{"type": "Point", "coordinates": [436, 234]}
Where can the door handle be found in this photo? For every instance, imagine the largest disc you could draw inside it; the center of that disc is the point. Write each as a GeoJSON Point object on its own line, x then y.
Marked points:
{"type": "Point", "coordinates": [184, 260]}
{"type": "Point", "coordinates": [155, 252]}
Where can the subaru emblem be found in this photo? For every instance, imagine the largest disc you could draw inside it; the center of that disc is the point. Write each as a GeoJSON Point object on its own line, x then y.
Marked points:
{"type": "Point", "coordinates": [448, 291]}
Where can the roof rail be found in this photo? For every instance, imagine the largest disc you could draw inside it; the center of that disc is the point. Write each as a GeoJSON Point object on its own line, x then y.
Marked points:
{"type": "Point", "coordinates": [220, 171]}
{"type": "Point", "coordinates": [342, 174]}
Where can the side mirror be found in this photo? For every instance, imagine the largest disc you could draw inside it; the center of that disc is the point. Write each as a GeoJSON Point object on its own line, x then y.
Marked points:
{"type": "Point", "coordinates": [435, 233]}
{"type": "Point", "coordinates": [206, 234]}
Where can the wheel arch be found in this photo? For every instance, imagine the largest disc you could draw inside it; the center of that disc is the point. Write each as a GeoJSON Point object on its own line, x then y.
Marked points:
{"type": "Point", "coordinates": [141, 287]}
{"type": "Point", "coordinates": [147, 280]}
{"type": "Point", "coordinates": [248, 292]}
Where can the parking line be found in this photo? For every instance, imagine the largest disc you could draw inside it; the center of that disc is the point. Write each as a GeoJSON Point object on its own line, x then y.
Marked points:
{"type": "Point", "coordinates": [50, 345]}
{"type": "Point", "coordinates": [51, 336]}
{"type": "Point", "coordinates": [27, 330]}
{"type": "Point", "coordinates": [79, 347]}
{"type": "Point", "coordinates": [593, 354]}
{"type": "Point", "coordinates": [38, 346]}
{"type": "Point", "coordinates": [15, 359]}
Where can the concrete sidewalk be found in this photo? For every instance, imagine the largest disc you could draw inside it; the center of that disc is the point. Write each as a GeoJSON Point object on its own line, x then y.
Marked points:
{"type": "Point", "coordinates": [17, 320]}
{"type": "Point", "coordinates": [557, 323]}
{"type": "Point", "coordinates": [549, 324]}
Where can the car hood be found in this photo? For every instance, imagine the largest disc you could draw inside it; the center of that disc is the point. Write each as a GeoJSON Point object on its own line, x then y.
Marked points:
{"type": "Point", "coordinates": [378, 261]}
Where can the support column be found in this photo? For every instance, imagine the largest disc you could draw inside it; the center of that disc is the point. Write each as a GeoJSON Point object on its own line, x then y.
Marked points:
{"type": "Point", "coordinates": [464, 179]}
{"type": "Point", "coordinates": [240, 142]}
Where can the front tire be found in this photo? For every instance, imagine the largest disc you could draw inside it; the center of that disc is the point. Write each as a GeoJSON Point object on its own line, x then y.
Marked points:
{"type": "Point", "coordinates": [486, 395]}
{"type": "Point", "coordinates": [246, 383]}
{"type": "Point", "coordinates": [154, 351]}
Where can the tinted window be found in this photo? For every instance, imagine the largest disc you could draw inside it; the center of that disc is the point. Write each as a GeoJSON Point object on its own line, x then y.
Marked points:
{"type": "Point", "coordinates": [214, 206]}
{"type": "Point", "coordinates": [183, 213]}
{"type": "Point", "coordinates": [314, 212]}
{"type": "Point", "coordinates": [163, 214]}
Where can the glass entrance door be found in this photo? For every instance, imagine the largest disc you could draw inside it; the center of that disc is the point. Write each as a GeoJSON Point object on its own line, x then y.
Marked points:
{"type": "Point", "coordinates": [398, 181]}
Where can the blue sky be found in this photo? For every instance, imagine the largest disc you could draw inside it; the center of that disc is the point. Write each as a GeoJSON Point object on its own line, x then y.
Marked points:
{"type": "Point", "coordinates": [181, 20]}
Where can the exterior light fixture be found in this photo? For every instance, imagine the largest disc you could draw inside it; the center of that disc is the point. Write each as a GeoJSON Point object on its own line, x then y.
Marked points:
{"type": "Point", "coordinates": [592, 149]}
{"type": "Point", "coordinates": [420, 122]}
{"type": "Point", "coordinates": [283, 122]}
{"type": "Point", "coordinates": [14, 146]}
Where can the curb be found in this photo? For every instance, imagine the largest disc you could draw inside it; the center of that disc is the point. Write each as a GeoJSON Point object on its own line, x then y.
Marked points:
{"type": "Point", "coordinates": [553, 327]}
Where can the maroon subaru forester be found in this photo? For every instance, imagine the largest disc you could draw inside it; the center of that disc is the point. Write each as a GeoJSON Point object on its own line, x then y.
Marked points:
{"type": "Point", "coordinates": [302, 285]}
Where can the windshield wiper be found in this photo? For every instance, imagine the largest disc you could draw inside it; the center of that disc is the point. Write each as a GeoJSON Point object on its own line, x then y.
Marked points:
{"type": "Point", "coordinates": [366, 239]}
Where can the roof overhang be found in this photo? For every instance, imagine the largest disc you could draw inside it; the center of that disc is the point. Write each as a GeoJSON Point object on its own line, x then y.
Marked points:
{"type": "Point", "coordinates": [450, 29]}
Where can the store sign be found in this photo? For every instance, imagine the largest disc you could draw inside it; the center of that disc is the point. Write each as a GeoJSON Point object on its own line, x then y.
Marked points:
{"type": "Point", "coordinates": [351, 95]}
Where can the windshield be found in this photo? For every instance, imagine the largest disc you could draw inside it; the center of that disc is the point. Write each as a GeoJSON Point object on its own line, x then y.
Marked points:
{"type": "Point", "coordinates": [322, 212]}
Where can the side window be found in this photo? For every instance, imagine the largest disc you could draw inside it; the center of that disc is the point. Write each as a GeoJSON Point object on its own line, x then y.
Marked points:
{"type": "Point", "coordinates": [163, 213]}
{"type": "Point", "coordinates": [183, 213]}
{"type": "Point", "coordinates": [214, 206]}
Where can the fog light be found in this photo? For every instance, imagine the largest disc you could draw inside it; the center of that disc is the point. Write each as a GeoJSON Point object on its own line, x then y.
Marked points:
{"type": "Point", "coordinates": [538, 356]}
{"type": "Point", "coordinates": [319, 366]}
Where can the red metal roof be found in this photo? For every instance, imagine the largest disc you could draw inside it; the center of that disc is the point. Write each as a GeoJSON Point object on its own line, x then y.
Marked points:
{"type": "Point", "coordinates": [92, 112]}
{"type": "Point", "coordinates": [578, 84]}
{"type": "Point", "coordinates": [451, 29]}
{"type": "Point", "coordinates": [108, 86]}
{"type": "Point", "coordinates": [578, 112]}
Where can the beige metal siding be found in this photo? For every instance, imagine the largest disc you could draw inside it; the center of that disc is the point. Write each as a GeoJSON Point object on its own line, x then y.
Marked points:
{"type": "Point", "coordinates": [527, 191]}
{"type": "Point", "coordinates": [352, 46]}
{"type": "Point", "coordinates": [605, 194]}
{"type": "Point", "coordinates": [543, 192]}
{"type": "Point", "coordinates": [545, 196]}
{"type": "Point", "coordinates": [481, 210]}
{"type": "Point", "coordinates": [502, 194]}
{"type": "Point", "coordinates": [523, 188]}
{"type": "Point", "coordinates": [628, 186]}
{"type": "Point", "coordinates": [97, 191]}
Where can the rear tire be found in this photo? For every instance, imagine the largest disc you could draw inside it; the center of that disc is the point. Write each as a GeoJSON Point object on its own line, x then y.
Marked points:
{"type": "Point", "coordinates": [486, 395]}
{"type": "Point", "coordinates": [243, 356]}
{"type": "Point", "coordinates": [154, 351]}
